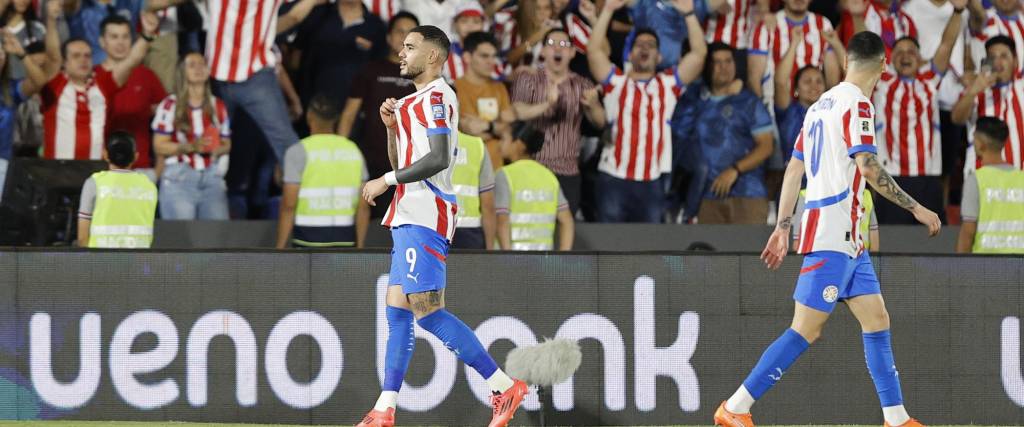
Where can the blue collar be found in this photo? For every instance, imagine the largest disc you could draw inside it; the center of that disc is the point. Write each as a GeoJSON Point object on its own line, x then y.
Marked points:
{"type": "Point", "coordinates": [800, 22]}
{"type": "Point", "coordinates": [1013, 17]}
{"type": "Point", "coordinates": [1002, 85]}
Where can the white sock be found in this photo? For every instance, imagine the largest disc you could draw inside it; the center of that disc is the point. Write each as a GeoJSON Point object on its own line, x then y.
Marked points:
{"type": "Point", "coordinates": [499, 381]}
{"type": "Point", "coordinates": [895, 415]}
{"type": "Point", "coordinates": [740, 402]}
{"type": "Point", "coordinates": [387, 399]}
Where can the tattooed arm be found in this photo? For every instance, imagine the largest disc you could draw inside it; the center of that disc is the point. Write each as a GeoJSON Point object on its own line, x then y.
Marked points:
{"type": "Point", "coordinates": [778, 244]}
{"type": "Point", "coordinates": [885, 185]}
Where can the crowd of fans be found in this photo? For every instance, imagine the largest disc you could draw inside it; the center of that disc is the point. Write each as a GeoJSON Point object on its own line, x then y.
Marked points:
{"type": "Point", "coordinates": [675, 111]}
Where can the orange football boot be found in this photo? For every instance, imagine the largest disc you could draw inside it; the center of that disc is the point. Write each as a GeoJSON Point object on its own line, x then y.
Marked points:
{"type": "Point", "coordinates": [725, 418]}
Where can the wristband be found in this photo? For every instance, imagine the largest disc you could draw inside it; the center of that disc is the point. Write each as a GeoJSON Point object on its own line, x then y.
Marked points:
{"type": "Point", "coordinates": [738, 171]}
{"type": "Point", "coordinates": [390, 178]}
{"type": "Point", "coordinates": [688, 14]}
{"type": "Point", "coordinates": [959, 11]}
{"type": "Point", "coordinates": [146, 37]}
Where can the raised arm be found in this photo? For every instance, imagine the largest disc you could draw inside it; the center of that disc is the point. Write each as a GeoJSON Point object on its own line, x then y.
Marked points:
{"type": "Point", "coordinates": [976, 83]}
{"type": "Point", "coordinates": [296, 14]}
{"type": "Point", "coordinates": [122, 70]}
{"type": "Point", "coordinates": [941, 59]}
{"type": "Point", "coordinates": [348, 118]}
{"type": "Point", "coordinates": [598, 54]}
{"type": "Point", "coordinates": [692, 64]}
{"type": "Point", "coordinates": [873, 172]}
{"type": "Point", "coordinates": [784, 71]}
{"type": "Point", "coordinates": [978, 16]}
{"type": "Point", "coordinates": [37, 77]}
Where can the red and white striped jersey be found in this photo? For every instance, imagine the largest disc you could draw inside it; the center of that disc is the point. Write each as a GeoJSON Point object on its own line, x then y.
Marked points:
{"type": "Point", "coordinates": [74, 118]}
{"type": "Point", "coordinates": [241, 37]}
{"type": "Point", "coordinates": [639, 112]}
{"type": "Point", "coordinates": [1005, 101]}
{"type": "Point", "coordinates": [811, 51]}
{"type": "Point", "coordinates": [429, 203]}
{"type": "Point", "coordinates": [909, 141]}
{"type": "Point", "coordinates": [1011, 26]}
{"type": "Point", "coordinates": [836, 128]}
{"type": "Point", "coordinates": [578, 30]}
{"type": "Point", "coordinates": [731, 28]}
{"type": "Point", "coordinates": [385, 9]}
{"type": "Point", "coordinates": [163, 124]}
{"type": "Point", "coordinates": [505, 31]}
{"type": "Point", "coordinates": [890, 23]}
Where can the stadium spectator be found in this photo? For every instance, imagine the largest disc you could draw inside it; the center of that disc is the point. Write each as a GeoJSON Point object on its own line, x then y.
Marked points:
{"type": "Point", "coordinates": [323, 175]}
{"type": "Point", "coordinates": [117, 206]}
{"type": "Point", "coordinates": [554, 100]}
{"type": "Point", "coordinates": [522, 30]}
{"type": "Point", "coordinates": [473, 180]}
{"type": "Point", "coordinates": [20, 19]}
{"type": "Point", "coordinates": [469, 19]}
{"type": "Point", "coordinates": [791, 104]}
{"type": "Point", "coordinates": [77, 103]}
{"type": "Point", "coordinates": [334, 43]}
{"type": "Point", "coordinates": [378, 81]}
{"type": "Point", "coordinates": [484, 106]}
{"type": "Point", "coordinates": [12, 94]}
{"type": "Point", "coordinates": [192, 136]}
{"type": "Point", "coordinates": [639, 104]}
{"type": "Point", "coordinates": [242, 61]}
{"type": "Point", "coordinates": [868, 223]}
{"type": "Point", "coordinates": [85, 17]}
{"type": "Point", "coordinates": [883, 17]}
{"type": "Point", "coordinates": [992, 220]}
{"type": "Point", "coordinates": [1004, 18]}
{"type": "Point", "coordinates": [929, 14]}
{"type": "Point", "coordinates": [135, 101]}
{"type": "Point", "coordinates": [439, 13]}
{"type": "Point", "coordinates": [771, 39]}
{"type": "Point", "coordinates": [908, 129]}
{"type": "Point", "coordinates": [996, 92]}
{"type": "Point", "coordinates": [734, 131]}
{"type": "Point", "coordinates": [528, 198]}
{"type": "Point", "coordinates": [669, 23]}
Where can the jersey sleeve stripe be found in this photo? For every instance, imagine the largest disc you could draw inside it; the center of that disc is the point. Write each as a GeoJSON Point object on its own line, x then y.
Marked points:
{"type": "Point", "coordinates": [862, 148]}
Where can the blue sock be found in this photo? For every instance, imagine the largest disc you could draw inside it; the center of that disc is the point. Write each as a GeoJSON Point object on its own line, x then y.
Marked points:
{"type": "Point", "coordinates": [459, 339]}
{"type": "Point", "coordinates": [878, 352]}
{"type": "Point", "coordinates": [777, 358]}
{"type": "Point", "coordinates": [401, 343]}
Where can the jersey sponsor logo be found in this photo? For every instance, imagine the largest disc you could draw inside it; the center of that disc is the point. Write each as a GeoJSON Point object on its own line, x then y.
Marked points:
{"type": "Point", "coordinates": [436, 98]}
{"type": "Point", "coordinates": [438, 111]}
{"type": "Point", "coordinates": [830, 294]}
{"type": "Point", "coordinates": [864, 109]}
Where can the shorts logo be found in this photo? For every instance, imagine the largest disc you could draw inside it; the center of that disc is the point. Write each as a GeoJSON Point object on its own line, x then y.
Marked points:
{"type": "Point", "coordinates": [438, 111]}
{"type": "Point", "coordinates": [830, 294]}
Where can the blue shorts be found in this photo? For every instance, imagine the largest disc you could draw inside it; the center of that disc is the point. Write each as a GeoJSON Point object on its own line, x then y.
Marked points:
{"type": "Point", "coordinates": [418, 259]}
{"type": "Point", "coordinates": [828, 277]}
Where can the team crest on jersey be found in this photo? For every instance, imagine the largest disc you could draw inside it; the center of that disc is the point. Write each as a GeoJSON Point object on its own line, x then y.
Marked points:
{"type": "Point", "coordinates": [830, 294]}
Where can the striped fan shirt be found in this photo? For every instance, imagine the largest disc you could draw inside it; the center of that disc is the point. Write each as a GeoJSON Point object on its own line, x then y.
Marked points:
{"type": "Point", "coordinates": [163, 124]}
{"type": "Point", "coordinates": [907, 130]}
{"type": "Point", "coordinates": [241, 37]}
{"type": "Point", "coordinates": [1005, 101]}
{"type": "Point", "coordinates": [639, 112]}
{"type": "Point", "coordinates": [385, 9]}
{"type": "Point", "coordinates": [74, 118]}
{"type": "Point", "coordinates": [731, 28]}
{"type": "Point", "coordinates": [1011, 26]}
{"type": "Point", "coordinates": [810, 51]}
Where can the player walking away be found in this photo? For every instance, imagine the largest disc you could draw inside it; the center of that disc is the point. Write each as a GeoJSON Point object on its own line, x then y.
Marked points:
{"type": "Point", "coordinates": [840, 156]}
{"type": "Point", "coordinates": [421, 146]}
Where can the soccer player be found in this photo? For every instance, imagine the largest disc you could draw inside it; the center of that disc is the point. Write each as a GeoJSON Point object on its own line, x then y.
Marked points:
{"type": "Point", "coordinates": [421, 146]}
{"type": "Point", "coordinates": [840, 157]}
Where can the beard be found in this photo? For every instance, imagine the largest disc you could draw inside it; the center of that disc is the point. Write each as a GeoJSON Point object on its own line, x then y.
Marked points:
{"type": "Point", "coordinates": [411, 72]}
